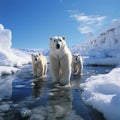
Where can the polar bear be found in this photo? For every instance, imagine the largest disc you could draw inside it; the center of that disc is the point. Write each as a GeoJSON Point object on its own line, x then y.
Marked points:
{"type": "Point", "coordinates": [60, 60]}
{"type": "Point", "coordinates": [39, 65]}
{"type": "Point", "coordinates": [77, 64]}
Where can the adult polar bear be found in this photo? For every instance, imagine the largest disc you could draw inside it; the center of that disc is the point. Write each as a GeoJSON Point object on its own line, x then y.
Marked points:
{"type": "Point", "coordinates": [60, 60]}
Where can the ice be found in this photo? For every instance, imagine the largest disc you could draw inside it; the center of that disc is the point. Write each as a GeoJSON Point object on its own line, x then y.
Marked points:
{"type": "Point", "coordinates": [25, 112]}
{"type": "Point", "coordinates": [4, 107]}
{"type": "Point", "coordinates": [9, 56]}
{"type": "Point", "coordinates": [5, 87]}
{"type": "Point", "coordinates": [103, 93]}
{"type": "Point", "coordinates": [5, 39]}
{"type": "Point", "coordinates": [6, 70]}
{"type": "Point", "coordinates": [102, 49]}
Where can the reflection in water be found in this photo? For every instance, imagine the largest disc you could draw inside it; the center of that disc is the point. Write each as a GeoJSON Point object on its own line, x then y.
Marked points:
{"type": "Point", "coordinates": [75, 82]}
{"type": "Point", "coordinates": [5, 87]}
{"type": "Point", "coordinates": [59, 104]}
{"type": "Point", "coordinates": [38, 84]}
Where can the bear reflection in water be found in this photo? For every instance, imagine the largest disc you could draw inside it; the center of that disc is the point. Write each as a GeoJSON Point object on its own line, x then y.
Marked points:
{"type": "Point", "coordinates": [38, 85]}
{"type": "Point", "coordinates": [59, 104]}
{"type": "Point", "coordinates": [59, 100]}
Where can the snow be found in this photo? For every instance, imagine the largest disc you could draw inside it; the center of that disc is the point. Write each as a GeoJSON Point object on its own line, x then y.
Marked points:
{"type": "Point", "coordinates": [9, 57]}
{"type": "Point", "coordinates": [5, 39]}
{"type": "Point", "coordinates": [5, 70]}
{"type": "Point", "coordinates": [102, 61]}
{"type": "Point", "coordinates": [103, 93]}
{"type": "Point", "coordinates": [102, 49]}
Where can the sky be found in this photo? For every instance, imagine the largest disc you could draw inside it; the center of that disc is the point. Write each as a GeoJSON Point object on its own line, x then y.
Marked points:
{"type": "Point", "coordinates": [33, 22]}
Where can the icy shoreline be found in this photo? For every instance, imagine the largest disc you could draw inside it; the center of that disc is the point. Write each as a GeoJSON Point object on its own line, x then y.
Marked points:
{"type": "Point", "coordinates": [102, 61]}
{"type": "Point", "coordinates": [103, 93]}
{"type": "Point", "coordinates": [5, 70]}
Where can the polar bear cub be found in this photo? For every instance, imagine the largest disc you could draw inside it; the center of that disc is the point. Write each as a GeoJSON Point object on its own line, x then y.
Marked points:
{"type": "Point", "coordinates": [77, 64]}
{"type": "Point", "coordinates": [60, 60]}
{"type": "Point", "coordinates": [39, 65]}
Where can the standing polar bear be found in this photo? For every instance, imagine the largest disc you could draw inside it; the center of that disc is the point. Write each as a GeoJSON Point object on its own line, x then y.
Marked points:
{"type": "Point", "coordinates": [39, 65]}
{"type": "Point", "coordinates": [60, 60]}
{"type": "Point", "coordinates": [77, 64]}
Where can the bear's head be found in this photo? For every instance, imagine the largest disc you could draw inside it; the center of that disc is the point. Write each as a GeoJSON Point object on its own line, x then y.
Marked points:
{"type": "Point", "coordinates": [35, 57]}
{"type": "Point", "coordinates": [76, 58]}
{"type": "Point", "coordinates": [57, 42]}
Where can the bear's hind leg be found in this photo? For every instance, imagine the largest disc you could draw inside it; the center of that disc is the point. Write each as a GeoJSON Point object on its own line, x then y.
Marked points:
{"type": "Point", "coordinates": [75, 69]}
{"type": "Point", "coordinates": [80, 71]}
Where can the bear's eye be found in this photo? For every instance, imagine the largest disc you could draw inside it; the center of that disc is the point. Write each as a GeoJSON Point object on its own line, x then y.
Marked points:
{"type": "Point", "coordinates": [60, 40]}
{"type": "Point", "coordinates": [54, 40]}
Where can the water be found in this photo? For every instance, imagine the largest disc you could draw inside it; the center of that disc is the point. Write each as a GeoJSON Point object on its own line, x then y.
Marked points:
{"type": "Point", "coordinates": [47, 102]}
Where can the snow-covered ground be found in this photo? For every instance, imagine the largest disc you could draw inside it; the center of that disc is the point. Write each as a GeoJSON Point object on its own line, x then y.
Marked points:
{"type": "Point", "coordinates": [101, 91]}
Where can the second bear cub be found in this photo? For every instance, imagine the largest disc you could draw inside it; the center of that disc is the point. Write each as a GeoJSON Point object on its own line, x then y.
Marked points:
{"type": "Point", "coordinates": [77, 64]}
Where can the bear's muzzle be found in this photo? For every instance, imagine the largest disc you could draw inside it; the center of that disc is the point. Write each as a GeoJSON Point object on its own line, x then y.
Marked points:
{"type": "Point", "coordinates": [35, 59]}
{"type": "Point", "coordinates": [57, 46]}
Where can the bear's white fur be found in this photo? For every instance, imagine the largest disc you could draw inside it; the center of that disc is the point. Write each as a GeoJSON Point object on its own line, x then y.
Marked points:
{"type": "Point", "coordinates": [39, 65]}
{"type": "Point", "coordinates": [60, 60]}
{"type": "Point", "coordinates": [77, 64]}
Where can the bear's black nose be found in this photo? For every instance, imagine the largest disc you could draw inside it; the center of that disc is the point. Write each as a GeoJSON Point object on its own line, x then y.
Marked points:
{"type": "Point", "coordinates": [35, 59]}
{"type": "Point", "coordinates": [57, 46]}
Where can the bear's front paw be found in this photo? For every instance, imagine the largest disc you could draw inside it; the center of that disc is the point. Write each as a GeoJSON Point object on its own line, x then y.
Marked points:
{"type": "Point", "coordinates": [67, 85]}
{"type": "Point", "coordinates": [80, 74]}
{"type": "Point", "coordinates": [75, 73]}
{"type": "Point", "coordinates": [64, 82]}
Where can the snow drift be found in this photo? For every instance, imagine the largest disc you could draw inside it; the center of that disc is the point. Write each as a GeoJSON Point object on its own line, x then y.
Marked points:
{"type": "Point", "coordinates": [8, 56]}
{"type": "Point", "coordinates": [103, 93]}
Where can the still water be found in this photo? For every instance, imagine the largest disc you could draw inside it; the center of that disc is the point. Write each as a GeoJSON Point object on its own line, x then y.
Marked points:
{"type": "Point", "coordinates": [46, 102]}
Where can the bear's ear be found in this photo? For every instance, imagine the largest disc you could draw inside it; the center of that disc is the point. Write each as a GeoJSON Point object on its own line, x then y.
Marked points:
{"type": "Point", "coordinates": [51, 38]}
{"type": "Point", "coordinates": [63, 38]}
